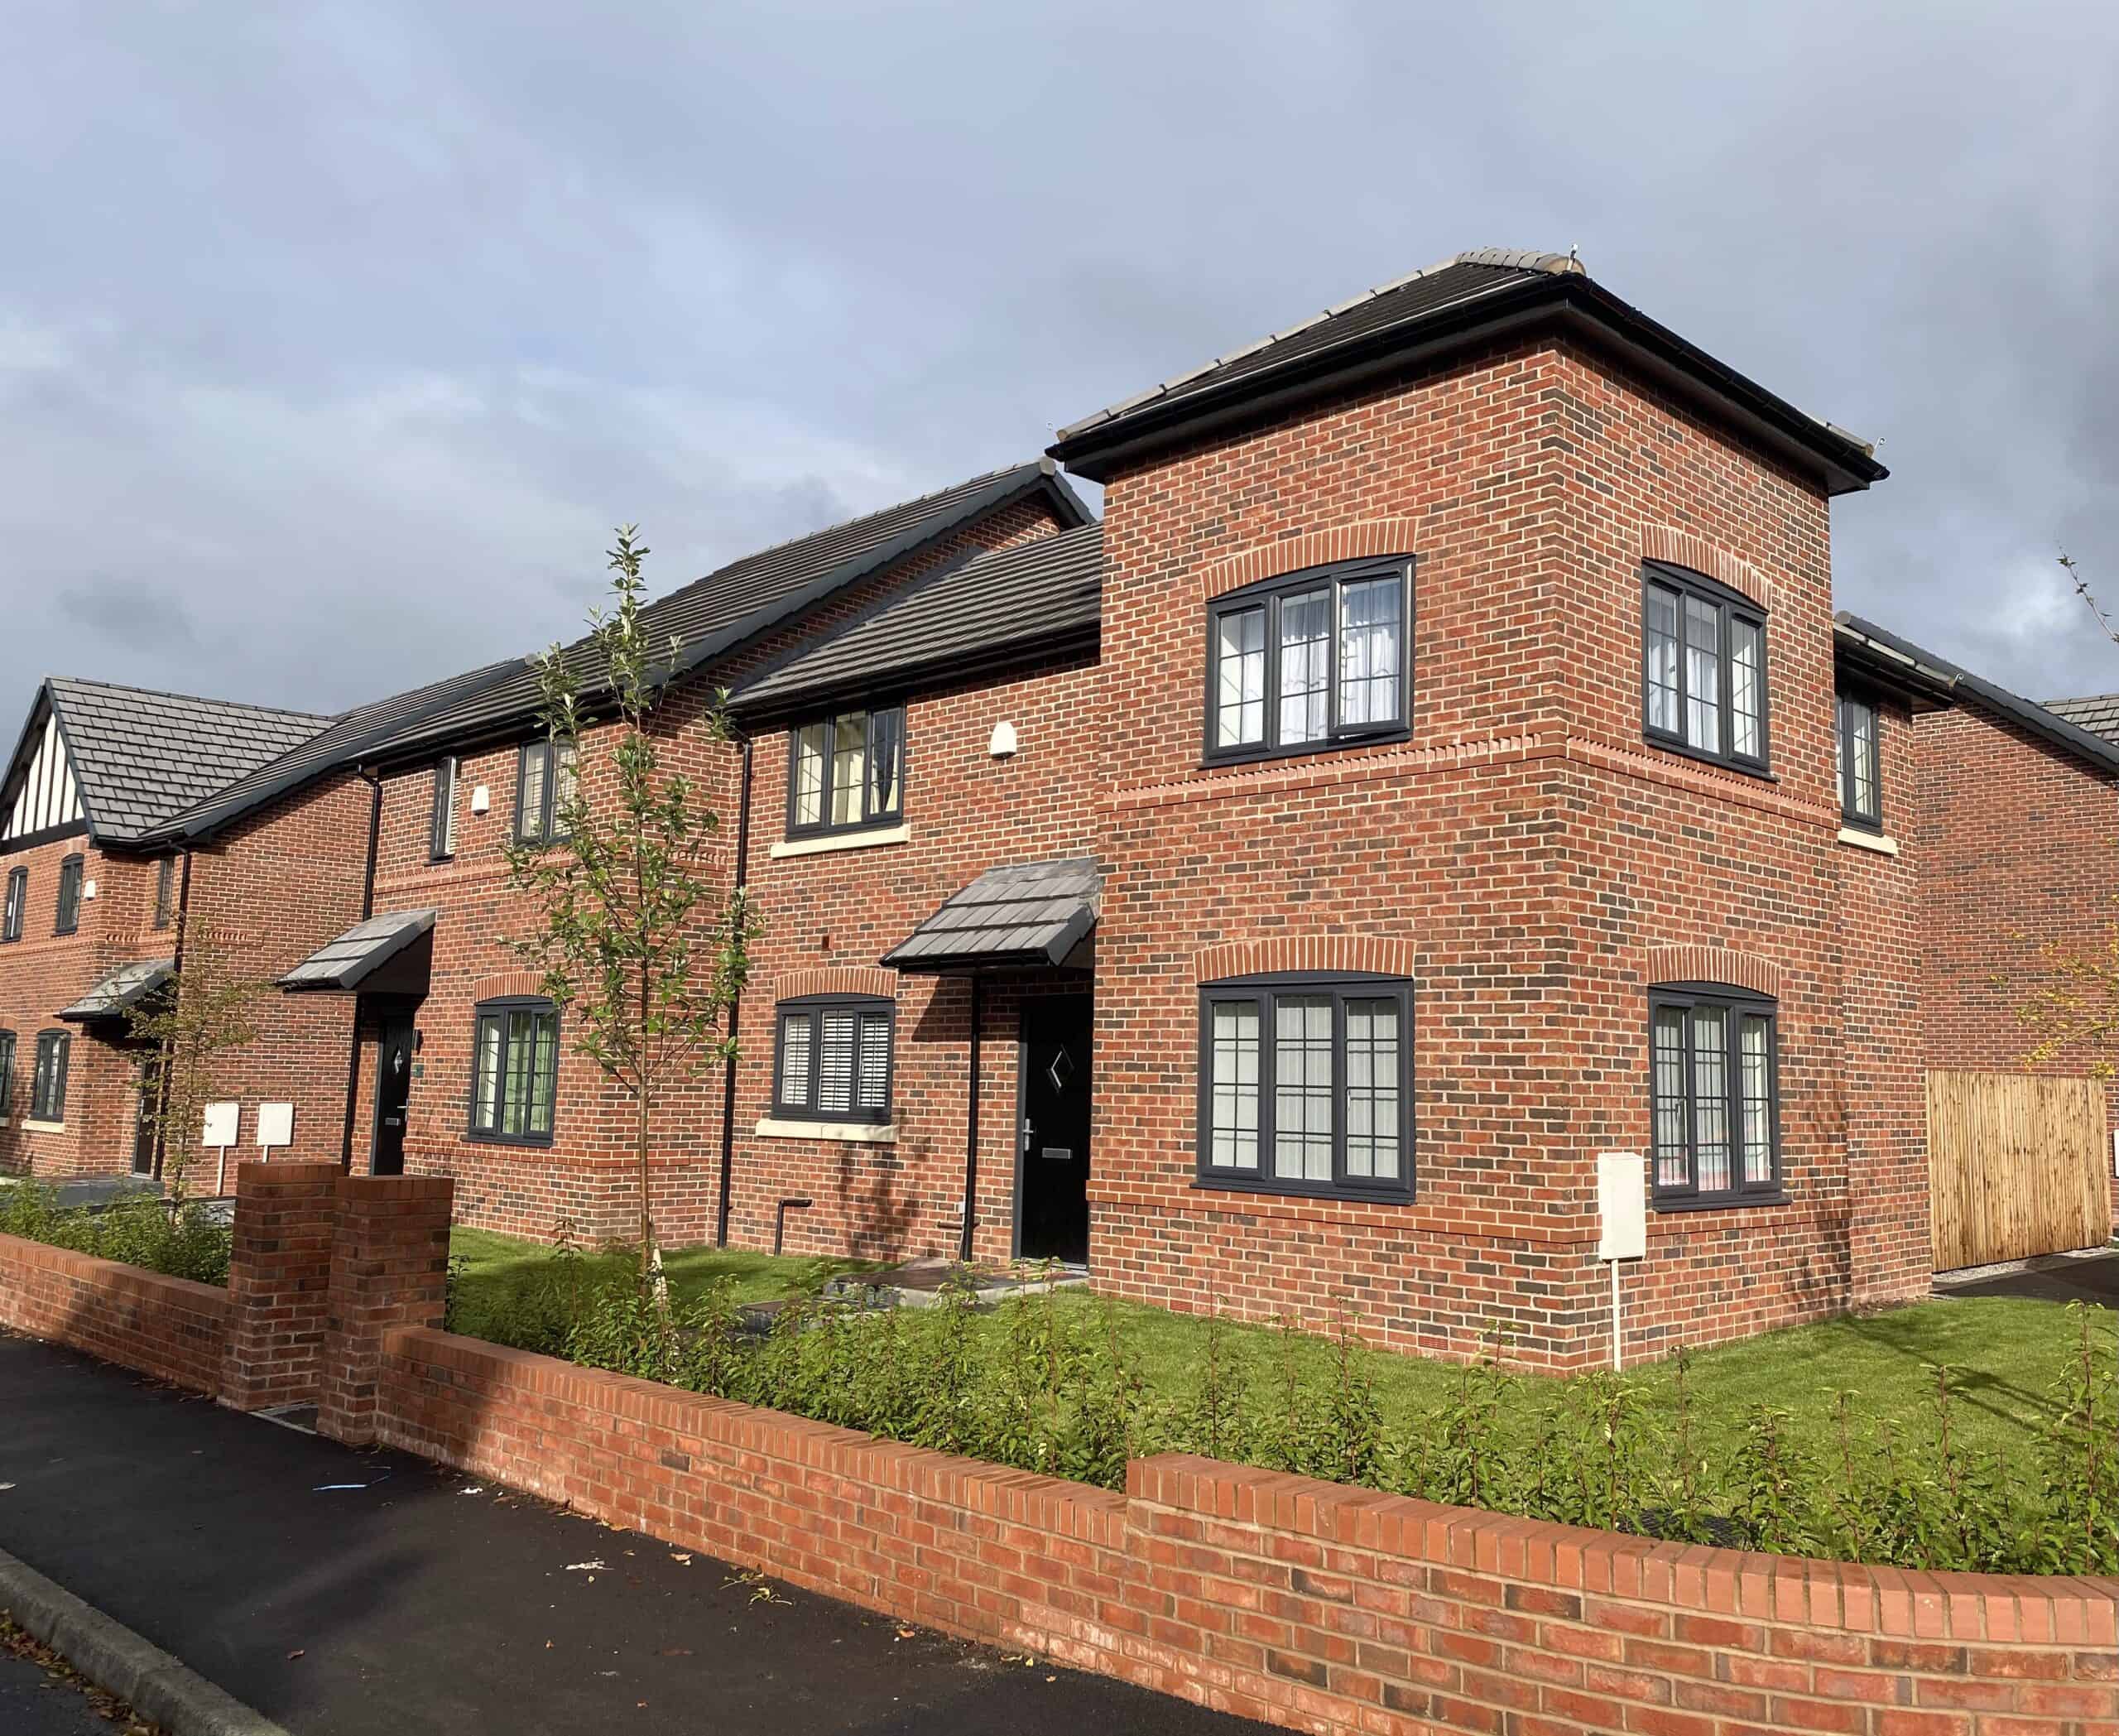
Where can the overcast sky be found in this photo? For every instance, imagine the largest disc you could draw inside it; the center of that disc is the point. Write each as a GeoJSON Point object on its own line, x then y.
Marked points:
{"type": "Point", "coordinates": [334, 339]}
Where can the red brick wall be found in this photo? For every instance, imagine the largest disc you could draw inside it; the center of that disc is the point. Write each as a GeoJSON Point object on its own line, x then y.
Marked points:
{"type": "Point", "coordinates": [1310, 1605]}
{"type": "Point", "coordinates": [2019, 846]}
{"type": "Point", "coordinates": [169, 1328]}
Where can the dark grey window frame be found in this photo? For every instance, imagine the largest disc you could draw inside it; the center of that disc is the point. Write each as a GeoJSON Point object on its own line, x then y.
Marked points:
{"type": "Point", "coordinates": [553, 756]}
{"type": "Point", "coordinates": [1849, 813]}
{"type": "Point", "coordinates": [1734, 606]}
{"type": "Point", "coordinates": [812, 1008]}
{"type": "Point", "coordinates": [48, 1076]}
{"type": "Point", "coordinates": [499, 1008]}
{"type": "Point", "coordinates": [1736, 1002]}
{"type": "Point", "coordinates": [869, 820]}
{"type": "Point", "coordinates": [1269, 593]}
{"type": "Point", "coordinates": [7, 1073]}
{"type": "Point", "coordinates": [12, 913]}
{"type": "Point", "coordinates": [164, 890]}
{"type": "Point", "coordinates": [1264, 989]}
{"type": "Point", "coordinates": [66, 910]}
{"type": "Point", "coordinates": [442, 814]}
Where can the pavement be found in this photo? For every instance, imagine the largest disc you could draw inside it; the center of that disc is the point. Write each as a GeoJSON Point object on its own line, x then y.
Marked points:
{"type": "Point", "coordinates": [2089, 1276]}
{"type": "Point", "coordinates": [373, 1594]}
{"type": "Point", "coordinates": [34, 1704]}
{"type": "Point", "coordinates": [92, 1190]}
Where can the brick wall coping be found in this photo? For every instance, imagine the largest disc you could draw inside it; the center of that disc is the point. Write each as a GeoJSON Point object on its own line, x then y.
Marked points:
{"type": "Point", "coordinates": [112, 1276]}
{"type": "Point", "coordinates": [836, 979]}
{"type": "Point", "coordinates": [1292, 553]}
{"type": "Point", "coordinates": [1684, 548]}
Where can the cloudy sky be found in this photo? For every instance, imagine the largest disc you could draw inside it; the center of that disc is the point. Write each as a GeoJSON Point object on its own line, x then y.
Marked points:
{"type": "Point", "coordinates": [334, 338]}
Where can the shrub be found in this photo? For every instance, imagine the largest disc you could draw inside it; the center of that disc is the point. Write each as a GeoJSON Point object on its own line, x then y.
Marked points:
{"type": "Point", "coordinates": [135, 1229]}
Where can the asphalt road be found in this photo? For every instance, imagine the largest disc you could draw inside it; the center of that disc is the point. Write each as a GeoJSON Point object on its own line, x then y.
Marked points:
{"type": "Point", "coordinates": [32, 1704]}
{"type": "Point", "coordinates": [350, 1594]}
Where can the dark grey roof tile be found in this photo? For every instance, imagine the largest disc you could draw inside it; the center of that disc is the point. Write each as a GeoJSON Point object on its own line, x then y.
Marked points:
{"type": "Point", "coordinates": [1028, 913]}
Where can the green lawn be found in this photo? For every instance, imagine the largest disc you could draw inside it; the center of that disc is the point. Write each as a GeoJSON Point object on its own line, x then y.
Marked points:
{"type": "Point", "coordinates": [2007, 1353]}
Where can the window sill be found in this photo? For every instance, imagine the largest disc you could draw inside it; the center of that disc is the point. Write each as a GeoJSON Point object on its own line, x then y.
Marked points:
{"type": "Point", "coordinates": [1879, 842]}
{"type": "Point", "coordinates": [1300, 1191]}
{"type": "Point", "coordinates": [534, 1142]}
{"type": "Point", "coordinates": [900, 834]}
{"type": "Point", "coordinates": [851, 1132]}
{"type": "Point", "coordinates": [44, 1127]}
{"type": "Point", "coordinates": [1722, 1203]}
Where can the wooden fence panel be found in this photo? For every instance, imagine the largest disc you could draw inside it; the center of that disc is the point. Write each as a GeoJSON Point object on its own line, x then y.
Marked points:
{"type": "Point", "coordinates": [2015, 1164]}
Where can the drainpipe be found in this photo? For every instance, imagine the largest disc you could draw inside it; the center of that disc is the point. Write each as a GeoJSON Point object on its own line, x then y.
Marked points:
{"type": "Point", "coordinates": [971, 1136]}
{"type": "Point", "coordinates": [176, 971]}
{"type": "Point", "coordinates": [373, 780]}
{"type": "Point", "coordinates": [735, 1015]}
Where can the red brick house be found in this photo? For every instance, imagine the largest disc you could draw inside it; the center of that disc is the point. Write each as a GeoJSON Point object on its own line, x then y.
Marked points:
{"type": "Point", "coordinates": [1441, 764]}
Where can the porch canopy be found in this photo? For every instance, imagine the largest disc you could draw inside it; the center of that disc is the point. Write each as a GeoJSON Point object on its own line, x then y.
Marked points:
{"type": "Point", "coordinates": [357, 959]}
{"type": "Point", "coordinates": [124, 989]}
{"type": "Point", "coordinates": [1029, 914]}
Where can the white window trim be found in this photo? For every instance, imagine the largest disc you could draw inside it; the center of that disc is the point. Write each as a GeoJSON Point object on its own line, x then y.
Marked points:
{"type": "Point", "coordinates": [899, 833]}
{"type": "Point", "coordinates": [852, 1132]}
{"type": "Point", "coordinates": [1862, 840]}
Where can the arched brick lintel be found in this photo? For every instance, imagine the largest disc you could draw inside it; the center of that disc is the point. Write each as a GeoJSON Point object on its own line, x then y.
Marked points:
{"type": "Point", "coordinates": [836, 979]}
{"type": "Point", "coordinates": [1713, 964]}
{"type": "Point", "coordinates": [1355, 541]}
{"type": "Point", "coordinates": [508, 985]}
{"type": "Point", "coordinates": [1317, 953]}
{"type": "Point", "coordinates": [1682, 548]}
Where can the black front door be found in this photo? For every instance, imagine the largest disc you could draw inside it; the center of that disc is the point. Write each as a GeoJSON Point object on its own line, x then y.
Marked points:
{"type": "Point", "coordinates": [143, 1122]}
{"type": "Point", "coordinates": [1052, 1180]}
{"type": "Point", "coordinates": [393, 1090]}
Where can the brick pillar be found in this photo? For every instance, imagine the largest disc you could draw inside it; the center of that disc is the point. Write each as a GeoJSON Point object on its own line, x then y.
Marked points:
{"type": "Point", "coordinates": [279, 1282]}
{"type": "Point", "coordinates": [389, 1267]}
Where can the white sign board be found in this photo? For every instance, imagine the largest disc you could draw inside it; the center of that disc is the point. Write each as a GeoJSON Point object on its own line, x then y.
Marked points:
{"type": "Point", "coordinates": [275, 1124]}
{"type": "Point", "coordinates": [1622, 1206]}
{"type": "Point", "coordinates": [221, 1122]}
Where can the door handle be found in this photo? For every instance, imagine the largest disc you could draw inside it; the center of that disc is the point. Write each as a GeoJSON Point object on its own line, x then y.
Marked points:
{"type": "Point", "coordinates": [1029, 1128]}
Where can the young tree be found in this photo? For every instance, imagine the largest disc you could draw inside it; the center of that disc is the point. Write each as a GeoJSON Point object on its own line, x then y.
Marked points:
{"type": "Point", "coordinates": [636, 940]}
{"type": "Point", "coordinates": [186, 1031]}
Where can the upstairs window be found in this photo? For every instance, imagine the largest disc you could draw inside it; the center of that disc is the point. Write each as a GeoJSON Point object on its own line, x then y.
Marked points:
{"type": "Point", "coordinates": [846, 772]}
{"type": "Point", "coordinates": [1309, 661]}
{"type": "Point", "coordinates": [544, 790]}
{"type": "Point", "coordinates": [441, 824]}
{"type": "Point", "coordinates": [165, 891]}
{"type": "Point", "coordinates": [832, 1062]}
{"type": "Point", "coordinates": [7, 1073]}
{"type": "Point", "coordinates": [48, 1083]}
{"type": "Point", "coordinates": [18, 897]}
{"type": "Point", "coordinates": [1861, 768]}
{"type": "Point", "coordinates": [1306, 1085]}
{"type": "Point", "coordinates": [514, 1069]}
{"type": "Point", "coordinates": [68, 916]}
{"type": "Point", "coordinates": [1703, 673]}
{"type": "Point", "coordinates": [1714, 1096]}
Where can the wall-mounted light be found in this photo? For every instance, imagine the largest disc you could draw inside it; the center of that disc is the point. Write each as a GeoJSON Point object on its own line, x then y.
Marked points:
{"type": "Point", "coordinates": [88, 888]}
{"type": "Point", "coordinates": [1003, 744]}
{"type": "Point", "coordinates": [481, 798]}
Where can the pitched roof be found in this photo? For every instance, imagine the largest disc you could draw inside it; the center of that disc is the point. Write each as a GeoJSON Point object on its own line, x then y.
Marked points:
{"type": "Point", "coordinates": [2098, 713]}
{"type": "Point", "coordinates": [1040, 598]}
{"type": "Point", "coordinates": [119, 992]}
{"type": "Point", "coordinates": [357, 955]}
{"type": "Point", "coordinates": [330, 750]}
{"type": "Point", "coordinates": [735, 603]}
{"type": "Point", "coordinates": [1465, 298]}
{"type": "Point", "coordinates": [141, 756]}
{"type": "Point", "coordinates": [1903, 663]}
{"type": "Point", "coordinates": [1027, 913]}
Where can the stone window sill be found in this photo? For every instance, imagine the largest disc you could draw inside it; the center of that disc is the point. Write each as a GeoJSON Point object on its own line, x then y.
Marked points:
{"type": "Point", "coordinates": [842, 841]}
{"type": "Point", "coordinates": [1861, 840]}
{"type": "Point", "coordinates": [44, 1127]}
{"type": "Point", "coordinates": [852, 1132]}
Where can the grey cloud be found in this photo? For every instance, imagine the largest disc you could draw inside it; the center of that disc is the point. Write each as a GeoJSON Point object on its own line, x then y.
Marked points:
{"type": "Point", "coordinates": [129, 614]}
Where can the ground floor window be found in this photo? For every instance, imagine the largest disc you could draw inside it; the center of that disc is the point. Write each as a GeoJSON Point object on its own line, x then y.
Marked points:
{"type": "Point", "coordinates": [515, 1071]}
{"type": "Point", "coordinates": [48, 1083]}
{"type": "Point", "coordinates": [1305, 1085]}
{"type": "Point", "coordinates": [7, 1073]}
{"type": "Point", "coordinates": [1715, 1096]}
{"type": "Point", "coordinates": [832, 1059]}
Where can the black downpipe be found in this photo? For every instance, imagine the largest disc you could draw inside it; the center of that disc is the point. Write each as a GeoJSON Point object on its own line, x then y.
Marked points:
{"type": "Point", "coordinates": [735, 1016]}
{"type": "Point", "coordinates": [971, 1139]}
{"type": "Point", "coordinates": [176, 971]}
{"type": "Point", "coordinates": [373, 780]}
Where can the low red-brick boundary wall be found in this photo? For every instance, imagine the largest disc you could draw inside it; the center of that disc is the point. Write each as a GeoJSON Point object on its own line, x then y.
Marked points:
{"type": "Point", "coordinates": [171, 1328]}
{"type": "Point", "coordinates": [1306, 1603]}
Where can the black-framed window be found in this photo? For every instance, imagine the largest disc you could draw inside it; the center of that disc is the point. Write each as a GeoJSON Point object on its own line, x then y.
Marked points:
{"type": "Point", "coordinates": [441, 818]}
{"type": "Point", "coordinates": [1314, 660]}
{"type": "Point", "coordinates": [543, 789]}
{"type": "Point", "coordinates": [1703, 681]}
{"type": "Point", "coordinates": [66, 917]}
{"type": "Point", "coordinates": [832, 1059]}
{"type": "Point", "coordinates": [515, 1070]}
{"type": "Point", "coordinates": [7, 1073]}
{"type": "Point", "coordinates": [847, 772]}
{"type": "Point", "coordinates": [165, 891]}
{"type": "Point", "coordinates": [48, 1083]}
{"type": "Point", "coordinates": [1714, 1095]}
{"type": "Point", "coordinates": [18, 897]}
{"type": "Point", "coordinates": [1306, 1085]}
{"type": "Point", "coordinates": [1858, 738]}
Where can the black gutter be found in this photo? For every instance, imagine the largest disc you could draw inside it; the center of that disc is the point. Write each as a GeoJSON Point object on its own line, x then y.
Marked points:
{"type": "Point", "coordinates": [971, 1138]}
{"type": "Point", "coordinates": [735, 1016]}
{"type": "Point", "coordinates": [176, 974]}
{"type": "Point", "coordinates": [374, 781]}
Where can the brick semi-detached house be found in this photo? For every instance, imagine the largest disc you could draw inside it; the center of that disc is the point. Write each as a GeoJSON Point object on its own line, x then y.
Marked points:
{"type": "Point", "coordinates": [1441, 765]}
